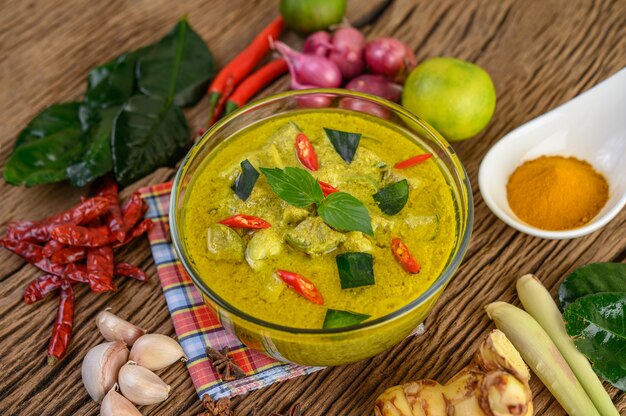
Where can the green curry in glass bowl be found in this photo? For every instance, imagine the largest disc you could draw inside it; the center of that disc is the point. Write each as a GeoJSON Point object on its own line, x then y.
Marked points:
{"type": "Point", "coordinates": [306, 233]}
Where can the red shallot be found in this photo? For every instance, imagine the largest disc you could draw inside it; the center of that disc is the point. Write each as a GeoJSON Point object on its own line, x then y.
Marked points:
{"type": "Point", "coordinates": [348, 45]}
{"type": "Point", "coordinates": [390, 57]}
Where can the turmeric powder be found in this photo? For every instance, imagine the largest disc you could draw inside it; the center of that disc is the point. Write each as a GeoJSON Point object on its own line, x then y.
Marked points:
{"type": "Point", "coordinates": [556, 193]}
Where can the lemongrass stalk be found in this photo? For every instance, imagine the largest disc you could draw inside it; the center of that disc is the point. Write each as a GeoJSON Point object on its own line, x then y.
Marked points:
{"type": "Point", "coordinates": [539, 304]}
{"type": "Point", "coordinates": [540, 353]}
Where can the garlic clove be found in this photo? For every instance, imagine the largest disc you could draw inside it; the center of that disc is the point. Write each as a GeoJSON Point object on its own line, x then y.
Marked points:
{"type": "Point", "coordinates": [114, 328]}
{"type": "Point", "coordinates": [114, 404]}
{"type": "Point", "coordinates": [140, 385]}
{"type": "Point", "coordinates": [101, 366]}
{"type": "Point", "coordinates": [156, 351]}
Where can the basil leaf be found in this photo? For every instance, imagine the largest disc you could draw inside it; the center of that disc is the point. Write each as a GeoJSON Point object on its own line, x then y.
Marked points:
{"type": "Point", "coordinates": [598, 324]}
{"type": "Point", "coordinates": [50, 143]}
{"type": "Point", "coordinates": [96, 160]}
{"type": "Point", "coordinates": [339, 319]}
{"type": "Point", "coordinates": [180, 66]}
{"type": "Point", "coordinates": [245, 181]}
{"type": "Point", "coordinates": [344, 143]}
{"type": "Point", "coordinates": [393, 198]}
{"type": "Point", "coordinates": [345, 213]}
{"type": "Point", "coordinates": [295, 186]}
{"type": "Point", "coordinates": [592, 278]}
{"type": "Point", "coordinates": [355, 269]}
{"type": "Point", "coordinates": [149, 132]}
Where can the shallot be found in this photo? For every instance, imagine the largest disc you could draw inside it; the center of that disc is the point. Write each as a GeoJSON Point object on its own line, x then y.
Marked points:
{"type": "Point", "coordinates": [348, 45]}
{"type": "Point", "coordinates": [317, 43]}
{"type": "Point", "coordinates": [375, 85]}
{"type": "Point", "coordinates": [309, 71]}
{"type": "Point", "coordinates": [390, 57]}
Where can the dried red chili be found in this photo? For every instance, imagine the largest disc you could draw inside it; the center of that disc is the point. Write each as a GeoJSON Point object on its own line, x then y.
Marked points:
{"type": "Point", "coordinates": [76, 235]}
{"type": "Point", "coordinates": [100, 268]}
{"type": "Point", "coordinates": [107, 188]}
{"type": "Point", "coordinates": [132, 211]}
{"type": "Point", "coordinates": [245, 221]}
{"type": "Point", "coordinates": [301, 285]}
{"type": "Point", "coordinates": [69, 254]}
{"type": "Point", "coordinates": [142, 227]}
{"type": "Point", "coordinates": [62, 330]}
{"type": "Point", "coordinates": [403, 255]}
{"type": "Point", "coordinates": [327, 188]}
{"type": "Point", "coordinates": [30, 252]}
{"type": "Point", "coordinates": [40, 287]}
{"type": "Point", "coordinates": [306, 152]}
{"type": "Point", "coordinates": [128, 270]}
{"type": "Point", "coordinates": [415, 160]}
{"type": "Point", "coordinates": [47, 266]}
{"type": "Point", "coordinates": [76, 273]}
{"type": "Point", "coordinates": [51, 247]}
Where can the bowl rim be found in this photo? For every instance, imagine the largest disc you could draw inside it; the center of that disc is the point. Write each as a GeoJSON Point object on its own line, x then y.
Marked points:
{"type": "Point", "coordinates": [440, 282]}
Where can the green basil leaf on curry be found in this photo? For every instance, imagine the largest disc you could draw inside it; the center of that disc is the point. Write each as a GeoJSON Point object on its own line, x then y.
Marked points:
{"type": "Point", "coordinates": [295, 186]}
{"type": "Point", "coordinates": [345, 213]}
{"type": "Point", "coordinates": [344, 143]}
{"type": "Point", "coordinates": [393, 198]}
{"type": "Point", "coordinates": [355, 269]}
{"type": "Point", "coordinates": [340, 319]}
{"type": "Point", "coordinates": [245, 181]}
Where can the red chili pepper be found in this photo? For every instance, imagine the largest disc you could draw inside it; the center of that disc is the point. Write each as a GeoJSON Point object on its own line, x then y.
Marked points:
{"type": "Point", "coordinates": [76, 273]}
{"type": "Point", "coordinates": [241, 65]}
{"type": "Point", "coordinates": [404, 257]}
{"type": "Point", "coordinates": [76, 235]}
{"type": "Point", "coordinates": [62, 330]}
{"type": "Point", "coordinates": [306, 152]}
{"type": "Point", "coordinates": [128, 270]}
{"type": "Point", "coordinates": [40, 287]}
{"type": "Point", "coordinates": [301, 285]}
{"type": "Point", "coordinates": [254, 83]}
{"type": "Point", "coordinates": [327, 188]}
{"type": "Point", "coordinates": [100, 268]}
{"type": "Point", "coordinates": [69, 254]}
{"type": "Point", "coordinates": [133, 210]}
{"type": "Point", "coordinates": [143, 227]}
{"type": "Point", "coordinates": [30, 252]}
{"type": "Point", "coordinates": [47, 266]}
{"type": "Point", "coordinates": [415, 160]}
{"type": "Point", "coordinates": [51, 247]}
{"type": "Point", "coordinates": [107, 188]}
{"type": "Point", "coordinates": [245, 221]}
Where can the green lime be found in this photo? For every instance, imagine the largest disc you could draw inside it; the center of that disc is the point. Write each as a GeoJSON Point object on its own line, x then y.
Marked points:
{"type": "Point", "coordinates": [454, 96]}
{"type": "Point", "coordinates": [306, 16]}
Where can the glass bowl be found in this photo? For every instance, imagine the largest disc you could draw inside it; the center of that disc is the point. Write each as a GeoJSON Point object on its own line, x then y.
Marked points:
{"type": "Point", "coordinates": [337, 346]}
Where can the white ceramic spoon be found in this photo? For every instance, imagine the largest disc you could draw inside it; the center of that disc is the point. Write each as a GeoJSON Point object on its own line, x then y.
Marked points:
{"type": "Point", "coordinates": [590, 127]}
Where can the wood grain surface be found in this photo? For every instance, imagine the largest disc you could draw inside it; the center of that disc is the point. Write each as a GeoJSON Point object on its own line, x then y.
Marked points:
{"type": "Point", "coordinates": [539, 53]}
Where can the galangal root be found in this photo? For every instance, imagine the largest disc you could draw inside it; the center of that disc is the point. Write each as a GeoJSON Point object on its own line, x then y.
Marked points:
{"type": "Point", "coordinates": [495, 383]}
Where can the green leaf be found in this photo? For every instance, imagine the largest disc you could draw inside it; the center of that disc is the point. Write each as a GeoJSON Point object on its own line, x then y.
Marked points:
{"type": "Point", "coordinates": [355, 269]}
{"type": "Point", "coordinates": [344, 143]}
{"type": "Point", "coordinates": [50, 143]}
{"type": "Point", "coordinates": [592, 278]}
{"type": "Point", "coordinates": [345, 213]}
{"type": "Point", "coordinates": [295, 186]}
{"type": "Point", "coordinates": [339, 319]}
{"type": "Point", "coordinates": [96, 160]}
{"type": "Point", "coordinates": [393, 198]}
{"type": "Point", "coordinates": [245, 181]}
{"type": "Point", "coordinates": [179, 66]}
{"type": "Point", "coordinates": [148, 133]}
{"type": "Point", "coordinates": [598, 324]}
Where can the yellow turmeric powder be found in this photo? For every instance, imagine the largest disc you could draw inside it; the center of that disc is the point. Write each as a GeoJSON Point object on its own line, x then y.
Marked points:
{"type": "Point", "coordinates": [556, 193]}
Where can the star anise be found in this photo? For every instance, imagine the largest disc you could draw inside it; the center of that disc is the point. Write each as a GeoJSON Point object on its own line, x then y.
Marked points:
{"type": "Point", "coordinates": [224, 365]}
{"type": "Point", "coordinates": [294, 410]}
{"type": "Point", "coordinates": [216, 408]}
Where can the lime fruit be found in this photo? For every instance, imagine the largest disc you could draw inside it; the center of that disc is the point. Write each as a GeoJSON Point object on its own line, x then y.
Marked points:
{"type": "Point", "coordinates": [306, 16]}
{"type": "Point", "coordinates": [454, 96]}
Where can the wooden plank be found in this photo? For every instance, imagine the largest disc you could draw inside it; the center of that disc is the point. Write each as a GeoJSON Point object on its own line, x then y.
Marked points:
{"type": "Point", "coordinates": [540, 55]}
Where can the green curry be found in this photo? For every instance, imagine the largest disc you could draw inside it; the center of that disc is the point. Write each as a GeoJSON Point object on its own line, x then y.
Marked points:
{"type": "Point", "coordinates": [240, 264]}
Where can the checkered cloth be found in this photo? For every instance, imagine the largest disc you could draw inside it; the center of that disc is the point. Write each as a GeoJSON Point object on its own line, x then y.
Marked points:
{"type": "Point", "coordinates": [196, 325]}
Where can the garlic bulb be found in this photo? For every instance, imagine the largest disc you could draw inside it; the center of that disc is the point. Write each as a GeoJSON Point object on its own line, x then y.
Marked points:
{"type": "Point", "coordinates": [156, 351]}
{"type": "Point", "coordinates": [114, 328]}
{"type": "Point", "coordinates": [114, 404]}
{"type": "Point", "coordinates": [140, 385]}
{"type": "Point", "coordinates": [101, 366]}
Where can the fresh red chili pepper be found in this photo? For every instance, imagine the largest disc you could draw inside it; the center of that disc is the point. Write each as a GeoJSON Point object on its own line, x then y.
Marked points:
{"type": "Point", "coordinates": [107, 188]}
{"type": "Point", "coordinates": [255, 83]}
{"type": "Point", "coordinates": [128, 270]}
{"type": "Point", "coordinates": [415, 160]}
{"type": "Point", "coordinates": [241, 66]}
{"type": "Point", "coordinates": [51, 247]}
{"type": "Point", "coordinates": [100, 268]}
{"type": "Point", "coordinates": [301, 285]}
{"type": "Point", "coordinates": [30, 252]}
{"type": "Point", "coordinates": [68, 254]}
{"type": "Point", "coordinates": [327, 188]}
{"type": "Point", "coordinates": [40, 287]}
{"type": "Point", "coordinates": [133, 210]}
{"type": "Point", "coordinates": [76, 235]}
{"type": "Point", "coordinates": [403, 255]}
{"type": "Point", "coordinates": [306, 152]}
{"type": "Point", "coordinates": [62, 330]}
{"type": "Point", "coordinates": [245, 221]}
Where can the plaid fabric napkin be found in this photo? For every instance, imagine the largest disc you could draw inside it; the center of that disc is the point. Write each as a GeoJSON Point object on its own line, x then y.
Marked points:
{"type": "Point", "coordinates": [196, 325]}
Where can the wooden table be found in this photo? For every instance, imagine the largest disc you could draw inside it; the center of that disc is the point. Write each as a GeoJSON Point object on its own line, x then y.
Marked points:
{"type": "Point", "coordinates": [539, 53]}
